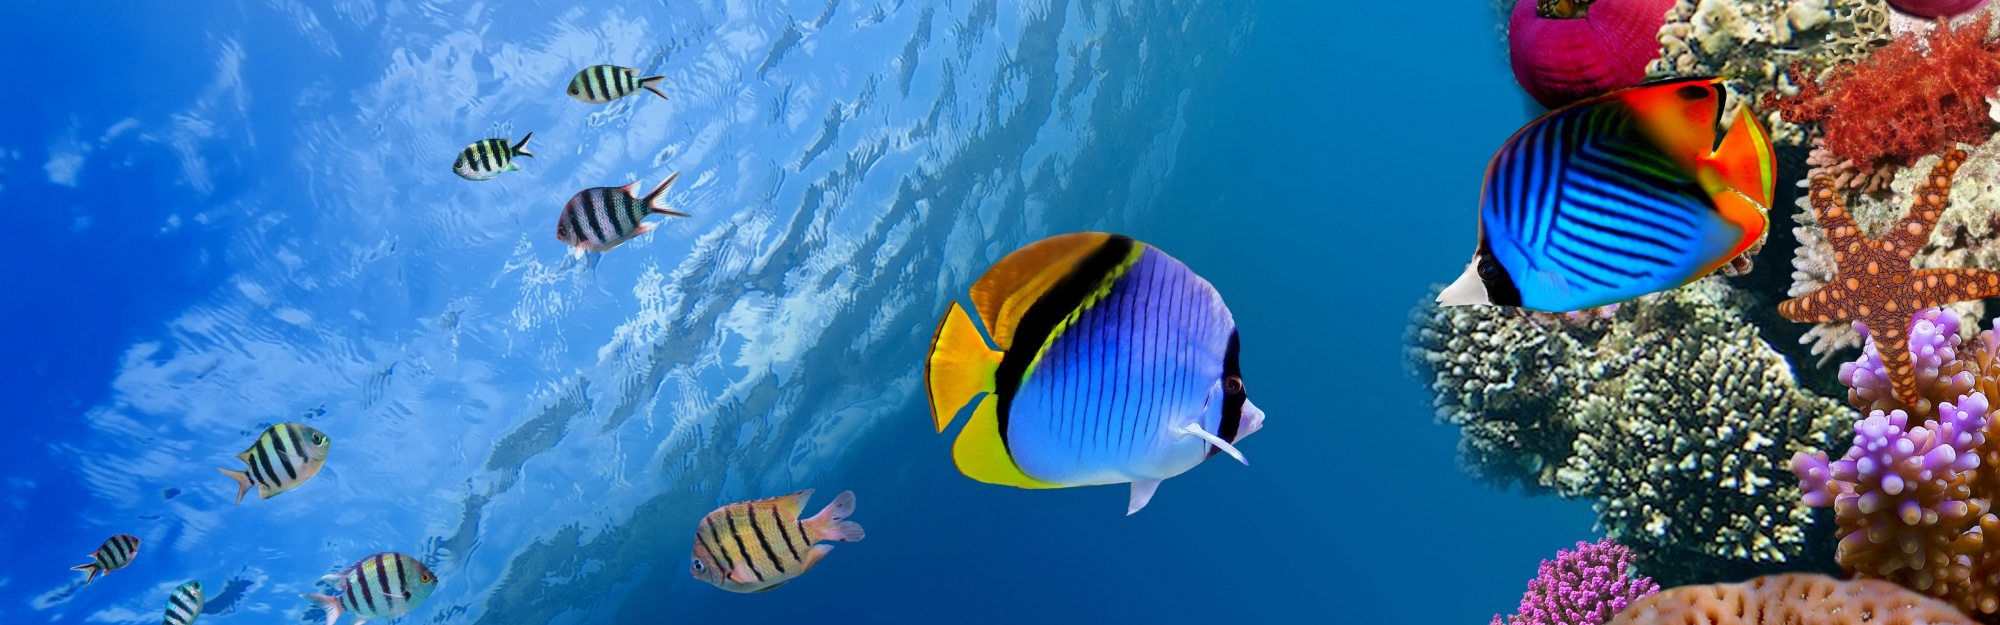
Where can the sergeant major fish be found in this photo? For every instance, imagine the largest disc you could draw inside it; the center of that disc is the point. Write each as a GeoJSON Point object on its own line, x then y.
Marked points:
{"type": "Point", "coordinates": [1618, 196]}
{"type": "Point", "coordinates": [1116, 364]}
{"type": "Point", "coordinates": [282, 458]}
{"type": "Point", "coordinates": [184, 604]}
{"type": "Point", "coordinates": [116, 552]}
{"type": "Point", "coordinates": [487, 158]}
{"type": "Point", "coordinates": [600, 219]}
{"type": "Point", "coordinates": [599, 84]}
{"type": "Point", "coordinates": [754, 546]}
{"type": "Point", "coordinates": [382, 586]}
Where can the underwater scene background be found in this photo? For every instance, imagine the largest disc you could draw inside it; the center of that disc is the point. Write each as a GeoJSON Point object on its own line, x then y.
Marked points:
{"type": "Point", "coordinates": [232, 215]}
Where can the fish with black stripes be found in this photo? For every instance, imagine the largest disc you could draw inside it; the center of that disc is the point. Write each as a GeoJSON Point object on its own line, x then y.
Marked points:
{"type": "Point", "coordinates": [755, 546]}
{"type": "Point", "coordinates": [599, 84]}
{"type": "Point", "coordinates": [282, 458]}
{"type": "Point", "coordinates": [487, 158]}
{"type": "Point", "coordinates": [600, 219]}
{"type": "Point", "coordinates": [184, 604]}
{"type": "Point", "coordinates": [1110, 362]}
{"type": "Point", "coordinates": [1630, 193]}
{"type": "Point", "coordinates": [382, 586]}
{"type": "Point", "coordinates": [116, 552]}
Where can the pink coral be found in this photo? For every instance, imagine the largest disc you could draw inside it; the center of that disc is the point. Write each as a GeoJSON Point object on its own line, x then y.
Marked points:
{"type": "Point", "coordinates": [1582, 587]}
{"type": "Point", "coordinates": [1567, 50]}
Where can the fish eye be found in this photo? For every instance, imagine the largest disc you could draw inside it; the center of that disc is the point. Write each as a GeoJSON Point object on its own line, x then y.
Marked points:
{"type": "Point", "coordinates": [318, 438]}
{"type": "Point", "coordinates": [572, 89]}
{"type": "Point", "coordinates": [1232, 385]}
{"type": "Point", "coordinates": [426, 577]}
{"type": "Point", "coordinates": [1692, 92]}
{"type": "Point", "coordinates": [1489, 269]}
{"type": "Point", "coordinates": [698, 566]}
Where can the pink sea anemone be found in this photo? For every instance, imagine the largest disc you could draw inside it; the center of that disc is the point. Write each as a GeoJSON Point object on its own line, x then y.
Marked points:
{"type": "Point", "coordinates": [1937, 8]}
{"type": "Point", "coordinates": [1568, 50]}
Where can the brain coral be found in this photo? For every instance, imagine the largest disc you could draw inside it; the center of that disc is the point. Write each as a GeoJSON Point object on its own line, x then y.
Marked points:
{"type": "Point", "coordinates": [1791, 599]}
{"type": "Point", "coordinates": [1672, 415]}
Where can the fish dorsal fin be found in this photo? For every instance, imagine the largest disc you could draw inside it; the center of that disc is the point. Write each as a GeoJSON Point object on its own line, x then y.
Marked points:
{"type": "Point", "coordinates": [793, 504]}
{"type": "Point", "coordinates": [1007, 289]}
{"type": "Point", "coordinates": [631, 189]}
{"type": "Point", "coordinates": [1744, 162]}
{"type": "Point", "coordinates": [245, 456]}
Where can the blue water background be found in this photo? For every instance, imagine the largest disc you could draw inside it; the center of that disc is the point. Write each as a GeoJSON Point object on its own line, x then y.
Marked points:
{"type": "Point", "coordinates": [1324, 179]}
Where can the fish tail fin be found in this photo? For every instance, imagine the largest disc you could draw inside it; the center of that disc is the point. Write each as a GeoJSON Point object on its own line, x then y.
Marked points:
{"type": "Point", "coordinates": [1744, 161]}
{"type": "Point", "coordinates": [831, 523]}
{"type": "Point", "coordinates": [521, 147]}
{"type": "Point", "coordinates": [92, 567]}
{"type": "Point", "coordinates": [242, 482]}
{"type": "Point", "coordinates": [652, 83]}
{"type": "Point", "coordinates": [960, 366]}
{"type": "Point", "coordinates": [329, 604]}
{"type": "Point", "coordinates": [656, 201]}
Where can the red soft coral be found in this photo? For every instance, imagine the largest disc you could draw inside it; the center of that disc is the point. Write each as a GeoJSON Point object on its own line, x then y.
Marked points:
{"type": "Point", "coordinates": [1916, 97]}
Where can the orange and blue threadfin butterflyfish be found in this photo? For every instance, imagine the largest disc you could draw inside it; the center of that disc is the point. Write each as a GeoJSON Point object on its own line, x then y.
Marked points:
{"type": "Point", "coordinates": [1110, 362]}
{"type": "Point", "coordinates": [755, 546]}
{"type": "Point", "coordinates": [1618, 196]}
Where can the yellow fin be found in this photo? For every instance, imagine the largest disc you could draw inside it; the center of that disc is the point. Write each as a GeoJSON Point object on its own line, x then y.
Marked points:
{"type": "Point", "coordinates": [1004, 293]}
{"type": "Point", "coordinates": [980, 454]}
{"type": "Point", "coordinates": [791, 505]}
{"type": "Point", "coordinates": [960, 366]}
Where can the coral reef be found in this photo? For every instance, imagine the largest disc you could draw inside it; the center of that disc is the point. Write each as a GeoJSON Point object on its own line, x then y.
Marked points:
{"type": "Point", "coordinates": [1563, 51]}
{"type": "Point", "coordinates": [1671, 415]}
{"type": "Point", "coordinates": [1914, 97]}
{"type": "Point", "coordinates": [1874, 282]}
{"type": "Point", "coordinates": [1752, 41]}
{"type": "Point", "coordinates": [1582, 587]}
{"type": "Point", "coordinates": [1791, 599]}
{"type": "Point", "coordinates": [1913, 494]}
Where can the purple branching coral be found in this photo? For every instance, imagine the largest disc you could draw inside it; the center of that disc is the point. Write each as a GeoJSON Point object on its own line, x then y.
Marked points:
{"type": "Point", "coordinates": [1583, 587]}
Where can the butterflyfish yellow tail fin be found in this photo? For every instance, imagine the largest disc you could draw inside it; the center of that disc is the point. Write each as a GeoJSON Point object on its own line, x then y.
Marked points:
{"type": "Point", "coordinates": [960, 366]}
{"type": "Point", "coordinates": [1745, 161]}
{"type": "Point", "coordinates": [981, 455]}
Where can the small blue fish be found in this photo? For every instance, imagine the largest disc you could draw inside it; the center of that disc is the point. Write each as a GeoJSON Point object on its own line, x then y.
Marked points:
{"type": "Point", "coordinates": [1618, 196]}
{"type": "Point", "coordinates": [1116, 364]}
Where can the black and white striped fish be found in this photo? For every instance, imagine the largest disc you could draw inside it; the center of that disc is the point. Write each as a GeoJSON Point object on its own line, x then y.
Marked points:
{"type": "Point", "coordinates": [599, 84]}
{"type": "Point", "coordinates": [382, 586]}
{"type": "Point", "coordinates": [116, 552]}
{"type": "Point", "coordinates": [601, 218]}
{"type": "Point", "coordinates": [489, 158]}
{"type": "Point", "coordinates": [184, 605]}
{"type": "Point", "coordinates": [285, 456]}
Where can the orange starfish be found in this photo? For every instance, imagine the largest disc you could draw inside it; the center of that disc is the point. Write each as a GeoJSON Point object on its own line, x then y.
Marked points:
{"type": "Point", "coordinates": [1875, 284]}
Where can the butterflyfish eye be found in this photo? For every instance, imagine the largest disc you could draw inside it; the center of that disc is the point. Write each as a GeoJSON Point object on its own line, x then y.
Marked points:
{"type": "Point", "coordinates": [1488, 269]}
{"type": "Point", "coordinates": [1692, 92]}
{"type": "Point", "coordinates": [1232, 385]}
{"type": "Point", "coordinates": [698, 566]}
{"type": "Point", "coordinates": [318, 438]}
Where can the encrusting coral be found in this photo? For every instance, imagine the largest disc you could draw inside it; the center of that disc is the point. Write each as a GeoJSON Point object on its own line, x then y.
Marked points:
{"type": "Point", "coordinates": [1791, 599]}
{"type": "Point", "coordinates": [1751, 41]}
{"type": "Point", "coordinates": [1582, 587]}
{"type": "Point", "coordinates": [1874, 282]}
{"type": "Point", "coordinates": [1914, 97]}
{"type": "Point", "coordinates": [1913, 495]}
{"type": "Point", "coordinates": [1672, 415]}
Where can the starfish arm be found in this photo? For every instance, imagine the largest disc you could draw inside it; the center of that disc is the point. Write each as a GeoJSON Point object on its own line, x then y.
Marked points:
{"type": "Point", "coordinates": [1892, 343]}
{"type": "Point", "coordinates": [1828, 303]}
{"type": "Point", "coordinates": [1937, 287]}
{"type": "Point", "coordinates": [1913, 231]}
{"type": "Point", "coordinates": [1836, 224]}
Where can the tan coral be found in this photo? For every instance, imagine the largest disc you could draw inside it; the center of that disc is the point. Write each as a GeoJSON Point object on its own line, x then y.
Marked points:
{"type": "Point", "coordinates": [1752, 41]}
{"type": "Point", "coordinates": [1791, 599]}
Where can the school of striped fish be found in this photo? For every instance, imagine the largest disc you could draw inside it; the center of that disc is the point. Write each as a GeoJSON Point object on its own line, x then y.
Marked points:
{"type": "Point", "coordinates": [1093, 358]}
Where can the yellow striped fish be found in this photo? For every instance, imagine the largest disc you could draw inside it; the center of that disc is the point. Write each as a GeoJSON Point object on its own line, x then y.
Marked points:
{"type": "Point", "coordinates": [184, 605]}
{"type": "Point", "coordinates": [382, 586]}
{"type": "Point", "coordinates": [116, 552]}
{"type": "Point", "coordinates": [285, 456]}
{"type": "Point", "coordinates": [754, 546]}
{"type": "Point", "coordinates": [599, 84]}
{"type": "Point", "coordinates": [487, 158]}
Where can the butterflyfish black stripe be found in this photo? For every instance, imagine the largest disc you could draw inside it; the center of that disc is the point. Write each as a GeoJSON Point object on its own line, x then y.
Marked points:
{"type": "Point", "coordinates": [764, 542]}
{"type": "Point", "coordinates": [1561, 261]}
{"type": "Point", "coordinates": [740, 550]}
{"type": "Point", "coordinates": [398, 591]}
{"type": "Point", "coordinates": [784, 533]}
{"type": "Point", "coordinates": [1042, 317]}
{"type": "Point", "coordinates": [1590, 237]}
{"type": "Point", "coordinates": [1232, 403]}
{"type": "Point", "coordinates": [298, 446]}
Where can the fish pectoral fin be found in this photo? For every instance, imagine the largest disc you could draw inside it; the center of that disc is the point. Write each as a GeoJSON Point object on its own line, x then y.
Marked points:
{"type": "Point", "coordinates": [741, 574]}
{"type": "Point", "coordinates": [1195, 429]}
{"type": "Point", "coordinates": [1142, 493]}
